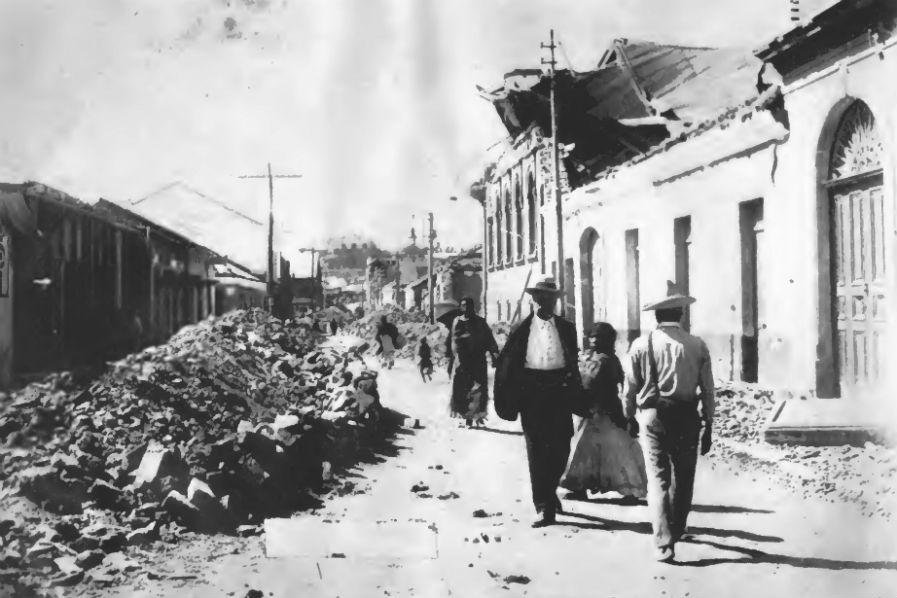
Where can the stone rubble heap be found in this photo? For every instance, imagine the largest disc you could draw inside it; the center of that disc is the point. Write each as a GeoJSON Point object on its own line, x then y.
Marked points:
{"type": "Point", "coordinates": [864, 475]}
{"type": "Point", "coordinates": [234, 419]}
{"type": "Point", "coordinates": [413, 325]}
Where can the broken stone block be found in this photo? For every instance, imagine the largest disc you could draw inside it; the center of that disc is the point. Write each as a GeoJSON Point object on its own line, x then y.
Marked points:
{"type": "Point", "coordinates": [245, 531]}
{"type": "Point", "coordinates": [41, 554]}
{"type": "Point", "coordinates": [67, 579]}
{"type": "Point", "coordinates": [213, 516]}
{"type": "Point", "coordinates": [117, 562]}
{"type": "Point", "coordinates": [114, 542]}
{"type": "Point", "coordinates": [148, 509]}
{"type": "Point", "coordinates": [198, 486]}
{"type": "Point", "coordinates": [105, 495]}
{"type": "Point", "coordinates": [85, 543]}
{"type": "Point", "coordinates": [144, 535]}
{"type": "Point", "coordinates": [158, 461]}
{"type": "Point", "coordinates": [52, 489]}
{"type": "Point", "coordinates": [89, 559]}
{"type": "Point", "coordinates": [181, 509]}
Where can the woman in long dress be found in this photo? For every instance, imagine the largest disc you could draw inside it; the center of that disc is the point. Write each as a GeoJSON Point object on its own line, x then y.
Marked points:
{"type": "Point", "coordinates": [470, 340]}
{"type": "Point", "coordinates": [604, 457]}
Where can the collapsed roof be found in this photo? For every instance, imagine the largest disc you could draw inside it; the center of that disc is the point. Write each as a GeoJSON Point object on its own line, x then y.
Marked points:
{"type": "Point", "coordinates": [639, 94]}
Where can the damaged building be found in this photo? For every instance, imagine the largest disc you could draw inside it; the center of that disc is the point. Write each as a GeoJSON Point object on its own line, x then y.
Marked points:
{"type": "Point", "coordinates": [761, 183]}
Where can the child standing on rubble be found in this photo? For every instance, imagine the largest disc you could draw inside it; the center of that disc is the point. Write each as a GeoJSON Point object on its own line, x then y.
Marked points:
{"type": "Point", "coordinates": [426, 361]}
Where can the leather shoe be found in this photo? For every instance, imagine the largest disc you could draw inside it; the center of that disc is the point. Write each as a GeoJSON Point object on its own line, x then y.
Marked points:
{"type": "Point", "coordinates": [548, 518]}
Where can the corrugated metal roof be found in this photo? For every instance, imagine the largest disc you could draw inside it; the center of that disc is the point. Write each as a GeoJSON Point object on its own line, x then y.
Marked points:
{"type": "Point", "coordinates": [605, 111]}
{"type": "Point", "coordinates": [207, 222]}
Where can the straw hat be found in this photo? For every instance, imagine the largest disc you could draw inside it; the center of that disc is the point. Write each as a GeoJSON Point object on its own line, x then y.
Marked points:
{"type": "Point", "coordinates": [674, 298]}
{"type": "Point", "coordinates": [544, 284]}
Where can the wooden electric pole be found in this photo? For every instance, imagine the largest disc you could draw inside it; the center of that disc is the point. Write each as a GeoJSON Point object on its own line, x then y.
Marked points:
{"type": "Point", "coordinates": [559, 212]}
{"type": "Point", "coordinates": [270, 275]}
{"type": "Point", "coordinates": [431, 236]}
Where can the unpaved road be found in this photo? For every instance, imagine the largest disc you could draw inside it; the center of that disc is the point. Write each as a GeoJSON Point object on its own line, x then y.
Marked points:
{"type": "Point", "coordinates": [749, 539]}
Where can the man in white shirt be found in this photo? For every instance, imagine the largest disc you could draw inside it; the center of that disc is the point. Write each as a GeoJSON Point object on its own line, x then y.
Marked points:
{"type": "Point", "coordinates": [537, 376]}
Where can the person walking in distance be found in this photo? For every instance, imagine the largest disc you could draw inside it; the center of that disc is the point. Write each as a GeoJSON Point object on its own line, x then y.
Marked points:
{"type": "Point", "coordinates": [668, 376]}
{"type": "Point", "coordinates": [425, 363]}
{"type": "Point", "coordinates": [537, 375]}
{"type": "Point", "coordinates": [388, 340]}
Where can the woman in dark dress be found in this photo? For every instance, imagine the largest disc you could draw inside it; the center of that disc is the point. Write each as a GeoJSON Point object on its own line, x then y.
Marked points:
{"type": "Point", "coordinates": [604, 457]}
{"type": "Point", "coordinates": [471, 339]}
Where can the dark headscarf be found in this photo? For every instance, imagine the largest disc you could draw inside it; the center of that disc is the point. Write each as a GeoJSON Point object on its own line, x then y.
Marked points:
{"type": "Point", "coordinates": [604, 334]}
{"type": "Point", "coordinates": [467, 311]}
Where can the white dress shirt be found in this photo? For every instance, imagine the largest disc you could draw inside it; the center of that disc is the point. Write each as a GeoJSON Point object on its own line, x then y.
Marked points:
{"type": "Point", "coordinates": [543, 348]}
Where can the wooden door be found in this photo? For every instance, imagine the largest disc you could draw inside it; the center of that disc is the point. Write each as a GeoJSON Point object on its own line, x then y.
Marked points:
{"type": "Point", "coordinates": [860, 284]}
{"type": "Point", "coordinates": [682, 242]}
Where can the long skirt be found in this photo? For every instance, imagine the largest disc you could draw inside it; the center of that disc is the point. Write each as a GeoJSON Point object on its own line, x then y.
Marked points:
{"type": "Point", "coordinates": [470, 396]}
{"type": "Point", "coordinates": [605, 458]}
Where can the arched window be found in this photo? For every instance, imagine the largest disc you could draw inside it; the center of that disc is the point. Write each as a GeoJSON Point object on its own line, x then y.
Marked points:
{"type": "Point", "coordinates": [509, 239]}
{"type": "Point", "coordinates": [498, 219]}
{"type": "Point", "coordinates": [518, 213]}
{"type": "Point", "coordinates": [531, 213]}
{"type": "Point", "coordinates": [490, 253]}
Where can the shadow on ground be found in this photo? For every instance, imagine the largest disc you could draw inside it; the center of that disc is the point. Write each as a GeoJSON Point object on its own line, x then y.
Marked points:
{"type": "Point", "coordinates": [750, 555]}
{"type": "Point", "coordinates": [370, 444]}
{"type": "Point", "coordinates": [746, 555]}
{"type": "Point", "coordinates": [643, 527]}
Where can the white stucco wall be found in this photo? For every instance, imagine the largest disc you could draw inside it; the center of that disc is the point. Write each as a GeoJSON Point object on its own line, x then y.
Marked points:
{"type": "Point", "coordinates": [687, 180]}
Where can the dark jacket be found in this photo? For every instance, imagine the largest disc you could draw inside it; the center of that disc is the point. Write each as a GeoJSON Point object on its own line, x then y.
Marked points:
{"type": "Point", "coordinates": [512, 359]}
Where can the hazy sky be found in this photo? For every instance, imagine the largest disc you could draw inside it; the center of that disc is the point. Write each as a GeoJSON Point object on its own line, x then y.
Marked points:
{"type": "Point", "coordinates": [374, 101]}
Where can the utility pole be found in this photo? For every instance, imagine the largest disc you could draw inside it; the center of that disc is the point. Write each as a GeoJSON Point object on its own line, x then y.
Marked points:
{"type": "Point", "coordinates": [431, 236]}
{"type": "Point", "coordinates": [557, 171]}
{"type": "Point", "coordinates": [270, 276]}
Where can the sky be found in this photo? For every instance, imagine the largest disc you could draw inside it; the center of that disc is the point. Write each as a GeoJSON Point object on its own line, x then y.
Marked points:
{"type": "Point", "coordinates": [374, 102]}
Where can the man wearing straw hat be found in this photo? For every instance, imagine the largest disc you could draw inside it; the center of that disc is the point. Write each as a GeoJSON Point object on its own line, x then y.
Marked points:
{"type": "Point", "coordinates": [537, 376]}
{"type": "Point", "coordinates": [668, 375]}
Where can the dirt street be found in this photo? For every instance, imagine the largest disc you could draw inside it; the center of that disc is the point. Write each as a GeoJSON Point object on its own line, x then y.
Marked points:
{"type": "Point", "coordinates": [465, 530]}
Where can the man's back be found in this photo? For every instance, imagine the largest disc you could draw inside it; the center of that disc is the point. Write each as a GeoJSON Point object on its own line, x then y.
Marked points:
{"type": "Point", "coordinates": [683, 366]}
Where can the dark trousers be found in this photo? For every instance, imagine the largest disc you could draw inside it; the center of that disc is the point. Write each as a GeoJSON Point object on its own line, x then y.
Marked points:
{"type": "Point", "coordinates": [547, 428]}
{"type": "Point", "coordinates": [669, 440]}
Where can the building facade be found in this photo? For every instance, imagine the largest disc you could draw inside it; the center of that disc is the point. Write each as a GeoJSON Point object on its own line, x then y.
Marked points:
{"type": "Point", "coordinates": [778, 215]}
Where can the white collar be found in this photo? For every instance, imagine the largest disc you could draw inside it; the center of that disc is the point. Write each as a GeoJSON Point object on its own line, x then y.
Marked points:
{"type": "Point", "coordinates": [669, 325]}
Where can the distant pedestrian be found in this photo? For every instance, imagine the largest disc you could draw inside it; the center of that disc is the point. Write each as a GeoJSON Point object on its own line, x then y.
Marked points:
{"type": "Point", "coordinates": [470, 340]}
{"type": "Point", "coordinates": [425, 362]}
{"type": "Point", "coordinates": [537, 376]}
{"type": "Point", "coordinates": [334, 326]}
{"type": "Point", "coordinates": [669, 374]}
{"type": "Point", "coordinates": [388, 339]}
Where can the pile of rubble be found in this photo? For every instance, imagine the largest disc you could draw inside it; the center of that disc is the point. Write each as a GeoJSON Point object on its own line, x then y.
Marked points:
{"type": "Point", "coordinates": [234, 419]}
{"type": "Point", "coordinates": [413, 325]}
{"type": "Point", "coordinates": [864, 475]}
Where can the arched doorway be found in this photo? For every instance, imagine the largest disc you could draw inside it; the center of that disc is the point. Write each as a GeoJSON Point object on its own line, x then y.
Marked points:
{"type": "Point", "coordinates": [853, 283]}
{"type": "Point", "coordinates": [589, 275]}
